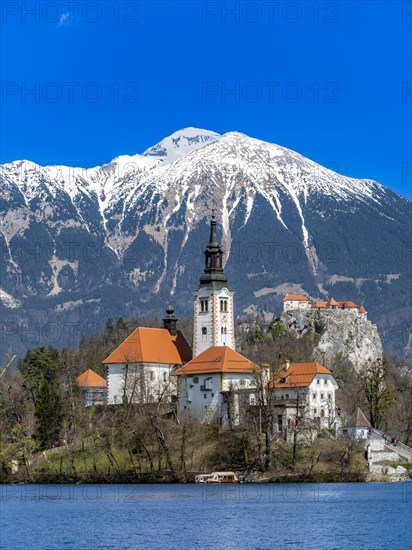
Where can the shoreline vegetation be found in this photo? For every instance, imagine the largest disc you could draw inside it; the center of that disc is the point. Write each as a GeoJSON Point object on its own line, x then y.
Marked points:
{"type": "Point", "coordinates": [47, 435]}
{"type": "Point", "coordinates": [208, 449]}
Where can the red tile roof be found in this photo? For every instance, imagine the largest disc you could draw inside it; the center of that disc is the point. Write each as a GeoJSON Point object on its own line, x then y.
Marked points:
{"type": "Point", "coordinates": [362, 310]}
{"type": "Point", "coordinates": [295, 298]}
{"type": "Point", "coordinates": [217, 359]}
{"type": "Point", "coordinates": [297, 375]}
{"type": "Point", "coordinates": [90, 378]}
{"type": "Point", "coordinates": [151, 345]}
{"type": "Point", "coordinates": [183, 347]}
{"type": "Point", "coordinates": [349, 305]}
{"type": "Point", "coordinates": [319, 304]}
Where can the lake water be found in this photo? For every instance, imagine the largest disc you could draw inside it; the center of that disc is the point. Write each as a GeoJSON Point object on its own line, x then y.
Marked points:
{"type": "Point", "coordinates": [306, 516]}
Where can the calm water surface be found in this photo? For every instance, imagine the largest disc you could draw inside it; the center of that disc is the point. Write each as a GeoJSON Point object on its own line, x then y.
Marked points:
{"type": "Point", "coordinates": [305, 516]}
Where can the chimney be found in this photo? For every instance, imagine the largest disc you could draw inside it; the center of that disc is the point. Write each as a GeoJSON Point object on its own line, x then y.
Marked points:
{"type": "Point", "coordinates": [170, 321]}
{"type": "Point", "coordinates": [287, 364]}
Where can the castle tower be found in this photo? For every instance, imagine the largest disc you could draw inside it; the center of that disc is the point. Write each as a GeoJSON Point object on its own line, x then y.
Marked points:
{"type": "Point", "coordinates": [213, 301]}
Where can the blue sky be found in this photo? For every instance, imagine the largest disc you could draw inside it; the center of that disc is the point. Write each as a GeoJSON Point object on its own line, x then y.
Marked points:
{"type": "Point", "coordinates": [330, 80]}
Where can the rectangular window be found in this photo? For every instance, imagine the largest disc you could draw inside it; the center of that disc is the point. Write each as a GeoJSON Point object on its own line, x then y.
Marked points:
{"type": "Point", "coordinates": [287, 396]}
{"type": "Point", "coordinates": [204, 396]}
{"type": "Point", "coordinates": [165, 377]}
{"type": "Point", "coordinates": [314, 395]}
{"type": "Point", "coordinates": [322, 395]}
{"type": "Point", "coordinates": [326, 382]}
{"type": "Point", "coordinates": [195, 380]}
{"type": "Point", "coordinates": [314, 412]}
{"type": "Point", "coordinates": [318, 381]}
{"type": "Point", "coordinates": [223, 306]}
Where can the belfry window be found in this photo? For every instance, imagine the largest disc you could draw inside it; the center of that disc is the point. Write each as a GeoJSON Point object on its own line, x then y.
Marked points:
{"type": "Point", "coordinates": [204, 306]}
{"type": "Point", "coordinates": [223, 306]}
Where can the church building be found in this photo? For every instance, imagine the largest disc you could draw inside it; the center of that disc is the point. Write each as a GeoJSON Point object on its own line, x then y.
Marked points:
{"type": "Point", "coordinates": [216, 369]}
{"type": "Point", "coordinates": [138, 371]}
{"type": "Point", "coordinates": [215, 383]}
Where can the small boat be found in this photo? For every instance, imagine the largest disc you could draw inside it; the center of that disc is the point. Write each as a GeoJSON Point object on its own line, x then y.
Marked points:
{"type": "Point", "coordinates": [222, 477]}
{"type": "Point", "coordinates": [202, 478]}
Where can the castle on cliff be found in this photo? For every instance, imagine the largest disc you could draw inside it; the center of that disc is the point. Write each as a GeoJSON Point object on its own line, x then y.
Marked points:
{"type": "Point", "coordinates": [297, 301]}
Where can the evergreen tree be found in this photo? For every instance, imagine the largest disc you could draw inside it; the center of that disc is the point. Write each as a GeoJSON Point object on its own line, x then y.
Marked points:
{"type": "Point", "coordinates": [121, 325]}
{"type": "Point", "coordinates": [37, 365]}
{"type": "Point", "coordinates": [48, 414]}
{"type": "Point", "coordinates": [39, 370]}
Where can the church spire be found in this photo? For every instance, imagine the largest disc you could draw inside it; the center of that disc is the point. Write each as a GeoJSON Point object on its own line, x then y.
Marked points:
{"type": "Point", "coordinates": [213, 275]}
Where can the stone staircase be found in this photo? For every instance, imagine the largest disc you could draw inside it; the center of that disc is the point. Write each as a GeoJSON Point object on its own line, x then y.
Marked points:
{"type": "Point", "coordinates": [403, 451]}
{"type": "Point", "coordinates": [380, 449]}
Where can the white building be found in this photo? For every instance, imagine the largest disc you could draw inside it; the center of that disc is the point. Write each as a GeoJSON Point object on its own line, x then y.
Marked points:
{"type": "Point", "coordinates": [358, 426]}
{"type": "Point", "coordinates": [139, 370]}
{"type": "Point", "coordinates": [214, 323]}
{"type": "Point", "coordinates": [93, 388]}
{"type": "Point", "coordinates": [205, 381]}
{"type": "Point", "coordinates": [308, 388]}
{"type": "Point", "coordinates": [295, 301]}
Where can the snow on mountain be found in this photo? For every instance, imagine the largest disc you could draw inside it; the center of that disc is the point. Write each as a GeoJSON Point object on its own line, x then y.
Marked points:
{"type": "Point", "coordinates": [180, 143]}
{"type": "Point", "coordinates": [135, 228]}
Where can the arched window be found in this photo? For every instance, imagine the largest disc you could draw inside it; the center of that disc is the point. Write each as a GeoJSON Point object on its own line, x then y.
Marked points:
{"type": "Point", "coordinates": [322, 413]}
{"type": "Point", "coordinates": [204, 330]}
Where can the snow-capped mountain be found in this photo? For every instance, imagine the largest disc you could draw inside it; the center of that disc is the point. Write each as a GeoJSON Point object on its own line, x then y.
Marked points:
{"type": "Point", "coordinates": [180, 143]}
{"type": "Point", "coordinates": [125, 237]}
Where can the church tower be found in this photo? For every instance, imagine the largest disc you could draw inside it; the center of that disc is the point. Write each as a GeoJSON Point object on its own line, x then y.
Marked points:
{"type": "Point", "coordinates": [213, 301]}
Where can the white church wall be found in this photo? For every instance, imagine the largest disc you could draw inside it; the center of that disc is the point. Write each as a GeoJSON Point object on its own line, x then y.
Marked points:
{"type": "Point", "coordinates": [142, 382]}
{"type": "Point", "coordinates": [198, 394]}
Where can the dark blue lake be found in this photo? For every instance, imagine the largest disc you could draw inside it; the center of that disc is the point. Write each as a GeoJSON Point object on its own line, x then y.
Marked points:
{"type": "Point", "coordinates": [305, 516]}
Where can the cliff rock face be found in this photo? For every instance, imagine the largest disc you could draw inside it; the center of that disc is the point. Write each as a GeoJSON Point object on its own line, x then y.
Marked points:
{"type": "Point", "coordinates": [341, 332]}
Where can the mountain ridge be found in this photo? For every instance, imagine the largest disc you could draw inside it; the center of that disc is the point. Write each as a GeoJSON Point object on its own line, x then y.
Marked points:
{"type": "Point", "coordinates": [285, 220]}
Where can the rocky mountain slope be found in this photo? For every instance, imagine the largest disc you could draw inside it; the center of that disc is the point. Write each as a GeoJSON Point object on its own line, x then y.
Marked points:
{"type": "Point", "coordinates": [80, 245]}
{"type": "Point", "coordinates": [342, 333]}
